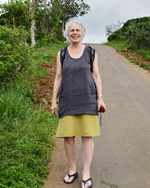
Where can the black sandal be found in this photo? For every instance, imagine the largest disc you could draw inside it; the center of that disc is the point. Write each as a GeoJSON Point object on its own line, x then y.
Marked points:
{"type": "Point", "coordinates": [75, 177]}
{"type": "Point", "coordinates": [85, 182]}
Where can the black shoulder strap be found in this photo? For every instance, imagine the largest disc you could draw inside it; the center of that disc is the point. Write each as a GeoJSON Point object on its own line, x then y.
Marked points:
{"type": "Point", "coordinates": [92, 57]}
{"type": "Point", "coordinates": [62, 55]}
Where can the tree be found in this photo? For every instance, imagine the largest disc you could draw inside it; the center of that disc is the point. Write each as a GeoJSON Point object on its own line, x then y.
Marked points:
{"type": "Point", "coordinates": [72, 8]}
{"type": "Point", "coordinates": [15, 54]}
{"type": "Point", "coordinates": [34, 2]}
{"type": "Point", "coordinates": [109, 30]}
{"type": "Point", "coordinates": [16, 13]}
{"type": "Point", "coordinates": [47, 23]}
{"type": "Point", "coordinates": [45, 4]}
{"type": "Point", "coordinates": [113, 27]}
{"type": "Point", "coordinates": [48, 18]}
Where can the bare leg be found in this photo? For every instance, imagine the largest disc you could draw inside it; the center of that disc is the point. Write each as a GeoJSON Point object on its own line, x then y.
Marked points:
{"type": "Point", "coordinates": [70, 149]}
{"type": "Point", "coordinates": [87, 152]}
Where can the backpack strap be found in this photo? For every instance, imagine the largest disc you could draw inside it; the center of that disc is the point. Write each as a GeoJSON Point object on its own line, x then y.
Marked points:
{"type": "Point", "coordinates": [92, 57]}
{"type": "Point", "coordinates": [62, 55]}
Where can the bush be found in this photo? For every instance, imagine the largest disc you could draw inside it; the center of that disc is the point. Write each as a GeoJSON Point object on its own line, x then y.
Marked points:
{"type": "Point", "coordinates": [14, 104]}
{"type": "Point", "coordinates": [15, 54]}
{"type": "Point", "coordinates": [114, 36]}
{"type": "Point", "coordinates": [16, 13]}
{"type": "Point", "coordinates": [136, 31]}
{"type": "Point", "coordinates": [25, 138]}
{"type": "Point", "coordinates": [25, 131]}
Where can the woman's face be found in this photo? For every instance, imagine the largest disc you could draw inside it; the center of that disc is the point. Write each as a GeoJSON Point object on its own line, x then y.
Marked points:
{"type": "Point", "coordinates": [75, 33]}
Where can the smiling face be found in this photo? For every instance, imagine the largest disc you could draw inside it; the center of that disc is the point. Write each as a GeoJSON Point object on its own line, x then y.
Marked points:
{"type": "Point", "coordinates": [75, 33]}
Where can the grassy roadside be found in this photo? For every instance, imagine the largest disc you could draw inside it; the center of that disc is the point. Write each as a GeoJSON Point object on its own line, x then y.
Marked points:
{"type": "Point", "coordinates": [140, 57]}
{"type": "Point", "coordinates": [26, 129]}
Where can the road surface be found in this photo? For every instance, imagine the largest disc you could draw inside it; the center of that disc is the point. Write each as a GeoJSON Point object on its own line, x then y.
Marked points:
{"type": "Point", "coordinates": [122, 151]}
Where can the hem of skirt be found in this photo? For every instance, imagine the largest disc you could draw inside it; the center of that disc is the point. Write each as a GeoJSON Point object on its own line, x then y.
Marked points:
{"type": "Point", "coordinates": [64, 136]}
{"type": "Point", "coordinates": [79, 113]}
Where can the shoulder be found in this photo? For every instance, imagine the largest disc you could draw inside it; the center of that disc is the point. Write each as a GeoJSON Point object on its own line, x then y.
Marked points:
{"type": "Point", "coordinates": [58, 54]}
{"type": "Point", "coordinates": [92, 52]}
{"type": "Point", "coordinates": [90, 48]}
{"type": "Point", "coordinates": [62, 52]}
{"type": "Point", "coordinates": [63, 49]}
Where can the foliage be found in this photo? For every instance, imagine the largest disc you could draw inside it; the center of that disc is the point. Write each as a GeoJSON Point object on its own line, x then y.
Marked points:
{"type": "Point", "coordinates": [50, 21]}
{"type": "Point", "coordinates": [14, 53]}
{"type": "Point", "coordinates": [25, 140]}
{"type": "Point", "coordinates": [138, 34]}
{"type": "Point", "coordinates": [25, 150]}
{"type": "Point", "coordinates": [109, 30]}
{"type": "Point", "coordinates": [134, 36]}
{"type": "Point", "coordinates": [145, 53]}
{"type": "Point", "coordinates": [120, 45]}
{"type": "Point", "coordinates": [25, 131]}
{"type": "Point", "coordinates": [136, 31]}
{"type": "Point", "coordinates": [112, 28]}
{"type": "Point", "coordinates": [47, 22]}
{"type": "Point", "coordinates": [16, 13]}
{"type": "Point", "coordinates": [73, 8]}
{"type": "Point", "coordinates": [14, 104]}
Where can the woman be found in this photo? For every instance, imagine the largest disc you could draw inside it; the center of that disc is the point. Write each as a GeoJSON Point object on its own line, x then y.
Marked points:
{"type": "Point", "coordinates": [80, 99]}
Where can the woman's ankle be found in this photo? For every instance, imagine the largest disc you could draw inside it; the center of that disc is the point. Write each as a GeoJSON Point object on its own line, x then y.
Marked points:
{"type": "Point", "coordinates": [86, 174]}
{"type": "Point", "coordinates": [72, 170]}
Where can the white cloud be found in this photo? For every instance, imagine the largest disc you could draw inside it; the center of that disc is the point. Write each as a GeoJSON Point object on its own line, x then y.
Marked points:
{"type": "Point", "coordinates": [107, 12]}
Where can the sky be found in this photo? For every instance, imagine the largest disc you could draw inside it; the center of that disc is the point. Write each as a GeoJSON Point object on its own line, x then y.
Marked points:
{"type": "Point", "coordinates": [106, 12]}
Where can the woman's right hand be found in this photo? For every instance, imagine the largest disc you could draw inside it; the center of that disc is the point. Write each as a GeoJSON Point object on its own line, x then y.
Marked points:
{"type": "Point", "coordinates": [54, 108]}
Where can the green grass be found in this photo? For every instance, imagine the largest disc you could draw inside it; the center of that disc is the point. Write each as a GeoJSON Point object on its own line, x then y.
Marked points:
{"type": "Point", "coordinates": [103, 183]}
{"type": "Point", "coordinates": [121, 45]}
{"type": "Point", "coordinates": [25, 131]}
{"type": "Point", "coordinates": [134, 60]}
{"type": "Point", "coordinates": [145, 53]}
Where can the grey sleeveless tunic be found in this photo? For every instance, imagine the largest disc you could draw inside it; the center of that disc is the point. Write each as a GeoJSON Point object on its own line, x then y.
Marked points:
{"type": "Point", "coordinates": [77, 93]}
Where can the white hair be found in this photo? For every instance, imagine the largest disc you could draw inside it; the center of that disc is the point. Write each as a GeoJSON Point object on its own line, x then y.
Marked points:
{"type": "Point", "coordinates": [69, 23]}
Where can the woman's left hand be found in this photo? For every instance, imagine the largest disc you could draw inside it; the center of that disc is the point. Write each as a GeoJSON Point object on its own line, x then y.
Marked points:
{"type": "Point", "coordinates": [101, 104]}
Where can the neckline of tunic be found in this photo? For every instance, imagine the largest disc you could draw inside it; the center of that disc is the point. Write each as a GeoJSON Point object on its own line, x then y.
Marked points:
{"type": "Point", "coordinates": [76, 58]}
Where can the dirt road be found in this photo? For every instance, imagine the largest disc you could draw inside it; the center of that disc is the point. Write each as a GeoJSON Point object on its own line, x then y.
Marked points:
{"type": "Point", "coordinates": [122, 152]}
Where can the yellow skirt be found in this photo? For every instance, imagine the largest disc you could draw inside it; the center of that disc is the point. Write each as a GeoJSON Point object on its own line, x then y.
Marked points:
{"type": "Point", "coordinates": [78, 125]}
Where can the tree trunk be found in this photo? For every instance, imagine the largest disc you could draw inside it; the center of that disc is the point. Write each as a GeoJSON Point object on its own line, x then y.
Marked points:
{"type": "Point", "coordinates": [45, 4]}
{"type": "Point", "coordinates": [33, 23]}
{"type": "Point", "coordinates": [32, 34]}
{"type": "Point", "coordinates": [29, 7]}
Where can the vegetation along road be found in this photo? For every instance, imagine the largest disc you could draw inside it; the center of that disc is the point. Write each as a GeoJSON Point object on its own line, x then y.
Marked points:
{"type": "Point", "coordinates": [122, 152]}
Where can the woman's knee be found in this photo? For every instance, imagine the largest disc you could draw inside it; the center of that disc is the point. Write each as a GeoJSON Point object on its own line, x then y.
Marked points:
{"type": "Point", "coordinates": [86, 139]}
{"type": "Point", "coordinates": [69, 139]}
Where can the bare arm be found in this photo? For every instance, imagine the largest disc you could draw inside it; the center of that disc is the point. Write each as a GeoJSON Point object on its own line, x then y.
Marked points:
{"type": "Point", "coordinates": [57, 84]}
{"type": "Point", "coordinates": [97, 80]}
